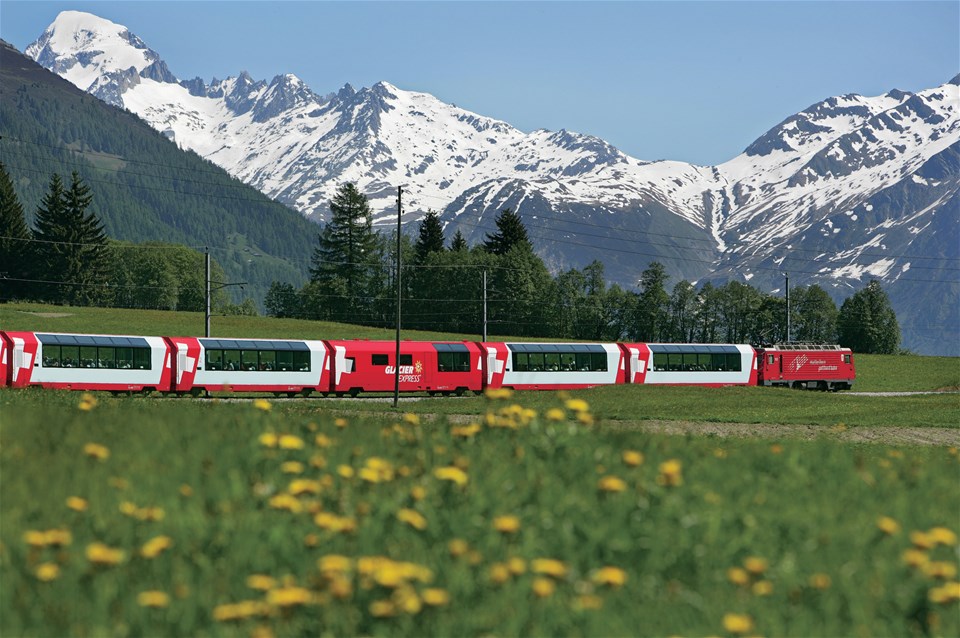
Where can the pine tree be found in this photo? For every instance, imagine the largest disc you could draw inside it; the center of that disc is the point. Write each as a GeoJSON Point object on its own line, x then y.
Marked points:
{"type": "Point", "coordinates": [15, 245]}
{"type": "Point", "coordinates": [867, 323]}
{"type": "Point", "coordinates": [815, 315]}
{"type": "Point", "coordinates": [430, 237]}
{"type": "Point", "coordinates": [458, 242]}
{"type": "Point", "coordinates": [653, 305]}
{"type": "Point", "coordinates": [510, 233]}
{"type": "Point", "coordinates": [344, 264]}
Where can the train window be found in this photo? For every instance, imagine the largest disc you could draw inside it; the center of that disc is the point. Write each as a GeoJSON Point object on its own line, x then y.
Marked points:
{"type": "Point", "coordinates": [301, 360]}
{"type": "Point", "coordinates": [733, 362]}
{"type": "Point", "coordinates": [771, 358]}
{"type": "Point", "coordinates": [406, 359]}
{"type": "Point", "coordinates": [598, 361]}
{"type": "Point", "coordinates": [535, 361]}
{"type": "Point", "coordinates": [381, 359]}
{"type": "Point", "coordinates": [141, 358]}
{"type": "Point", "coordinates": [520, 362]}
{"type": "Point", "coordinates": [51, 356]}
{"type": "Point", "coordinates": [568, 361]}
{"type": "Point", "coordinates": [846, 358]}
{"type": "Point", "coordinates": [88, 356]}
{"type": "Point", "coordinates": [231, 360]}
{"type": "Point", "coordinates": [284, 360]}
{"type": "Point", "coordinates": [719, 362]}
{"type": "Point", "coordinates": [214, 360]}
{"type": "Point", "coordinates": [125, 358]}
{"type": "Point", "coordinates": [106, 357]}
{"type": "Point", "coordinates": [248, 359]}
{"type": "Point", "coordinates": [551, 361]}
{"type": "Point", "coordinates": [583, 361]}
{"type": "Point", "coordinates": [268, 360]}
{"type": "Point", "coordinates": [690, 362]}
{"type": "Point", "coordinates": [455, 362]}
{"type": "Point", "coordinates": [349, 364]}
{"type": "Point", "coordinates": [70, 356]}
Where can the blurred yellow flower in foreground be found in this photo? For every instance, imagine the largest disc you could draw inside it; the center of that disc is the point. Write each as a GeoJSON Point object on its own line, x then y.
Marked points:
{"type": "Point", "coordinates": [77, 504]}
{"type": "Point", "coordinates": [610, 576]}
{"type": "Point", "coordinates": [942, 536]}
{"type": "Point", "coordinates": [289, 596]}
{"type": "Point", "coordinates": [96, 451]}
{"type": "Point", "coordinates": [268, 439]}
{"type": "Point", "coordinates": [549, 566]}
{"type": "Point", "coordinates": [435, 597]}
{"type": "Point", "coordinates": [334, 563]}
{"type": "Point", "coordinates": [239, 611]}
{"type": "Point", "coordinates": [290, 442]}
{"type": "Point", "coordinates": [451, 473]}
{"type": "Point", "coordinates": [737, 623]}
{"type": "Point", "coordinates": [87, 402]}
{"type": "Point", "coordinates": [262, 404]}
{"type": "Point", "coordinates": [632, 458]}
{"type": "Point", "coordinates": [506, 524]}
{"type": "Point", "coordinates": [261, 582]}
{"type": "Point", "coordinates": [153, 598]}
{"type": "Point", "coordinates": [543, 587]}
{"type": "Point", "coordinates": [820, 581]}
{"type": "Point", "coordinates": [556, 414]}
{"type": "Point", "coordinates": [755, 564]}
{"type": "Point", "coordinates": [412, 518]}
{"type": "Point", "coordinates": [671, 473]}
{"type": "Point", "coordinates": [577, 405]}
{"type": "Point", "coordinates": [458, 547]}
{"type": "Point", "coordinates": [498, 393]}
{"type": "Point", "coordinates": [340, 422]}
{"type": "Point", "coordinates": [411, 419]}
{"type": "Point", "coordinates": [153, 547]}
{"type": "Point", "coordinates": [888, 525]}
{"type": "Point", "coordinates": [102, 554]}
{"type": "Point", "coordinates": [947, 593]}
{"type": "Point", "coordinates": [47, 572]}
{"type": "Point", "coordinates": [738, 576]}
{"type": "Point", "coordinates": [53, 537]}
{"type": "Point", "coordinates": [612, 484]}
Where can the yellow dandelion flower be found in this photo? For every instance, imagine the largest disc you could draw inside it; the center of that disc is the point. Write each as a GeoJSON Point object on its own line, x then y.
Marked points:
{"type": "Point", "coordinates": [289, 596]}
{"type": "Point", "coordinates": [671, 473]}
{"type": "Point", "coordinates": [186, 491]}
{"type": "Point", "coordinates": [543, 587]}
{"type": "Point", "coordinates": [345, 471]}
{"type": "Point", "coordinates": [942, 536]}
{"type": "Point", "coordinates": [556, 415]}
{"type": "Point", "coordinates": [588, 602]}
{"type": "Point", "coordinates": [340, 586]}
{"type": "Point", "coordinates": [436, 597]}
{"type": "Point", "coordinates": [153, 598]}
{"type": "Point", "coordinates": [411, 419]}
{"type": "Point", "coordinates": [940, 569]}
{"type": "Point", "coordinates": [755, 564]}
{"type": "Point", "coordinates": [322, 440]}
{"type": "Point", "coordinates": [286, 502]}
{"type": "Point", "coordinates": [101, 554]}
{"type": "Point", "coordinates": [577, 405]}
{"type": "Point", "coordinates": [465, 431]}
{"type": "Point", "coordinates": [150, 514]}
{"type": "Point", "coordinates": [262, 404]}
{"type": "Point", "coordinates": [269, 439]}
{"type": "Point", "coordinates": [612, 484]}
{"type": "Point", "coordinates": [499, 573]}
{"type": "Point", "coordinates": [506, 524]}
{"type": "Point", "coordinates": [299, 487]}
{"type": "Point", "coordinates": [516, 565]}
{"type": "Point", "coordinates": [35, 538]}
{"type": "Point", "coordinates": [458, 547]}
{"type": "Point", "coordinates": [96, 451]}
{"type": "Point", "coordinates": [451, 473]}
{"type": "Point", "coordinates": [261, 582]}
{"type": "Point", "coordinates": [407, 600]}
{"type": "Point", "coordinates": [340, 422]}
{"type": "Point", "coordinates": [291, 467]}
{"type": "Point", "coordinates": [762, 588]}
{"type": "Point", "coordinates": [915, 558]}
{"type": "Point", "coordinates": [738, 576]}
{"type": "Point", "coordinates": [820, 581]}
{"type": "Point", "coordinates": [87, 402]}
{"type": "Point", "coordinates": [776, 448]}
{"type": "Point", "coordinates": [945, 594]}
{"type": "Point", "coordinates": [632, 458]}
{"type": "Point", "coordinates": [77, 504]}
{"type": "Point", "coordinates": [418, 493]}
{"type": "Point", "coordinates": [888, 525]}
{"type": "Point", "coordinates": [737, 623]}
{"type": "Point", "coordinates": [47, 572]}
{"type": "Point", "coordinates": [549, 566]}
{"type": "Point", "coordinates": [382, 609]}
{"type": "Point", "coordinates": [585, 418]}
{"type": "Point", "coordinates": [921, 540]}
{"type": "Point", "coordinates": [610, 576]}
{"type": "Point", "coordinates": [334, 563]}
{"type": "Point", "coordinates": [413, 518]}
{"type": "Point", "coordinates": [155, 546]}
{"type": "Point", "coordinates": [290, 442]}
{"type": "Point", "coordinates": [498, 393]}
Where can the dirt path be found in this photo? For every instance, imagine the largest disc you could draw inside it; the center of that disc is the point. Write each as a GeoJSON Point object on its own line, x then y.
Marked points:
{"type": "Point", "coordinates": [885, 435]}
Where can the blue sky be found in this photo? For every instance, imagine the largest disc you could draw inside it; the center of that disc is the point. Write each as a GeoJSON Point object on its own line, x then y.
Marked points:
{"type": "Point", "coordinates": [689, 81]}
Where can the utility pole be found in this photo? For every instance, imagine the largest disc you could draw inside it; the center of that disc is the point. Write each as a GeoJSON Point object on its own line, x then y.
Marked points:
{"type": "Point", "coordinates": [484, 305]}
{"type": "Point", "coordinates": [206, 250]}
{"type": "Point", "coordinates": [396, 378]}
{"type": "Point", "coordinates": [787, 276]}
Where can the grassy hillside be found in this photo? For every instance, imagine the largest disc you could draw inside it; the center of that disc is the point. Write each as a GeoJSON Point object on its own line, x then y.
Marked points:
{"type": "Point", "coordinates": [145, 187]}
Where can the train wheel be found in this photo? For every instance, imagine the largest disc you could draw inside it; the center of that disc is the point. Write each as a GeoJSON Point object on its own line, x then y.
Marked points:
{"type": "Point", "coordinates": [196, 392]}
{"type": "Point", "coordinates": [460, 391]}
{"type": "Point", "coordinates": [306, 392]}
{"type": "Point", "coordinates": [354, 392]}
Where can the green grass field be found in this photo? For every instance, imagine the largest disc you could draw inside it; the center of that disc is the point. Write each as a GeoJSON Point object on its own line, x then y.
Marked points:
{"type": "Point", "coordinates": [529, 515]}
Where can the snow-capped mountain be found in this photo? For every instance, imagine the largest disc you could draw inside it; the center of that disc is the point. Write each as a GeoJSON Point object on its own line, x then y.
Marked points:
{"type": "Point", "coordinates": [850, 188]}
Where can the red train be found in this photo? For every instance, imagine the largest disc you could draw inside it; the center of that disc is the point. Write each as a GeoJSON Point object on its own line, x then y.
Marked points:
{"type": "Point", "coordinates": [192, 365]}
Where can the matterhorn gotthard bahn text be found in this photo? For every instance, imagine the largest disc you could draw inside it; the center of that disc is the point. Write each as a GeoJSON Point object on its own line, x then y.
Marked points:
{"type": "Point", "coordinates": [849, 189]}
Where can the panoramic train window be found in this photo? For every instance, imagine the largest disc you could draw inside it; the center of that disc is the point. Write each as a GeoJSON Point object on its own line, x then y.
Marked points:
{"type": "Point", "coordinates": [695, 358]}
{"type": "Point", "coordinates": [452, 357]}
{"type": "Point", "coordinates": [535, 357]}
{"type": "Point", "coordinates": [263, 356]}
{"type": "Point", "coordinates": [88, 351]}
{"type": "Point", "coordinates": [380, 359]}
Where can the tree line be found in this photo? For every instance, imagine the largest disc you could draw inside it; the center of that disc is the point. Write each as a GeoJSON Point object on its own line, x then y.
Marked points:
{"type": "Point", "coordinates": [353, 280]}
{"type": "Point", "coordinates": [67, 258]}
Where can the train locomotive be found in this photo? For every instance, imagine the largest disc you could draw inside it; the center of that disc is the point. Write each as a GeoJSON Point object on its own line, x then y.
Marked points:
{"type": "Point", "coordinates": [195, 365]}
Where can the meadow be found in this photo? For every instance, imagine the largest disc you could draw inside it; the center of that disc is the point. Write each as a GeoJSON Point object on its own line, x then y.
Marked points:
{"type": "Point", "coordinates": [524, 514]}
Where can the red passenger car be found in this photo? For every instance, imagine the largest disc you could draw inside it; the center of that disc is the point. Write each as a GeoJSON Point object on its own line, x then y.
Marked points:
{"type": "Point", "coordinates": [804, 365]}
{"type": "Point", "coordinates": [425, 366]}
